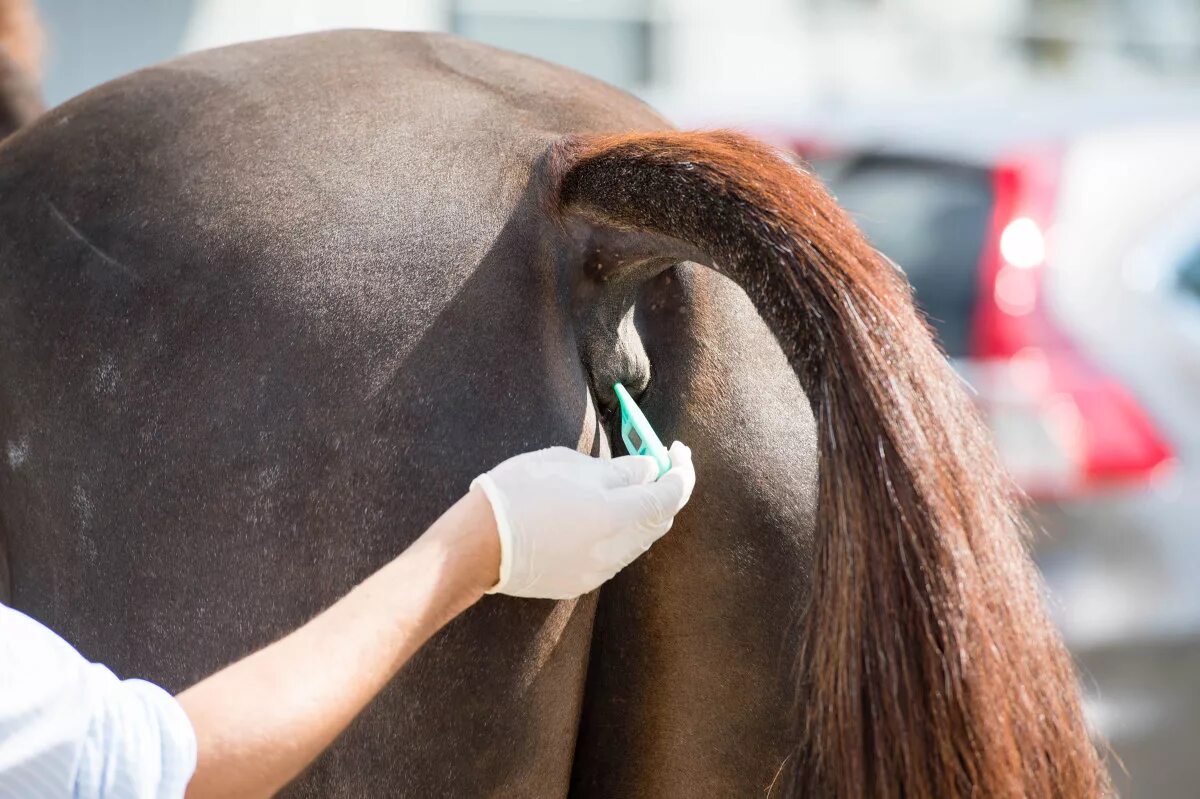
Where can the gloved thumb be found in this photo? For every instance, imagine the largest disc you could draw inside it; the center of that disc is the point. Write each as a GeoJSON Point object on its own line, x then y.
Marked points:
{"type": "Point", "coordinates": [632, 470]}
{"type": "Point", "coordinates": [671, 492]}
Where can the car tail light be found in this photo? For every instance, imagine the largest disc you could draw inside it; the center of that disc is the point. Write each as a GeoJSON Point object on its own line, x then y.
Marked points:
{"type": "Point", "coordinates": [1061, 424]}
{"type": "Point", "coordinates": [810, 148]}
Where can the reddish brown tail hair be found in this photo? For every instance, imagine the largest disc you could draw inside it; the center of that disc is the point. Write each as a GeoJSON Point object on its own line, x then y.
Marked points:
{"type": "Point", "coordinates": [929, 667]}
{"type": "Point", "coordinates": [20, 65]}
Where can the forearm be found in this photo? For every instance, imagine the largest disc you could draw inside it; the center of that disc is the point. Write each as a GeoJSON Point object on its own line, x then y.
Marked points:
{"type": "Point", "coordinates": [565, 522]}
{"type": "Point", "coordinates": [260, 721]}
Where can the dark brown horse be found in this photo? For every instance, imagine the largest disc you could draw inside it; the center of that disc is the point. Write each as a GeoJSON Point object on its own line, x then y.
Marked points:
{"type": "Point", "coordinates": [266, 310]}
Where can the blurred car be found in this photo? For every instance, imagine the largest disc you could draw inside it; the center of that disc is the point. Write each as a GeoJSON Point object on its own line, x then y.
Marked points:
{"type": "Point", "coordinates": [1056, 254]}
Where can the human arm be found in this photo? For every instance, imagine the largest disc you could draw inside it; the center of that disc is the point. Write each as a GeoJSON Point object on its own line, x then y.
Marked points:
{"type": "Point", "coordinates": [553, 523]}
{"type": "Point", "coordinates": [261, 720]}
{"type": "Point", "coordinates": [71, 728]}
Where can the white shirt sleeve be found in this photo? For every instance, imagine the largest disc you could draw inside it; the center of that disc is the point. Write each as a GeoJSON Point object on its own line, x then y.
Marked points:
{"type": "Point", "coordinates": [71, 729]}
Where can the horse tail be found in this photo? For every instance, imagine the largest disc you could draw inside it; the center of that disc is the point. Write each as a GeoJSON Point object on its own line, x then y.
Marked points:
{"type": "Point", "coordinates": [928, 665]}
{"type": "Point", "coordinates": [20, 65]}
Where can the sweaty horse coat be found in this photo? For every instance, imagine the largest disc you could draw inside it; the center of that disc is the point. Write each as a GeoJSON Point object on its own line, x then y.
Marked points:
{"type": "Point", "coordinates": [265, 311]}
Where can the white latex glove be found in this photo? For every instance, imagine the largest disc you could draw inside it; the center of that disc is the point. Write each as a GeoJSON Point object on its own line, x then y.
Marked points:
{"type": "Point", "coordinates": [568, 521]}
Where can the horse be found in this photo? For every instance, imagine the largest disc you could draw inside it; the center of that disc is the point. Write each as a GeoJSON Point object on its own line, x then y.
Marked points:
{"type": "Point", "coordinates": [266, 310]}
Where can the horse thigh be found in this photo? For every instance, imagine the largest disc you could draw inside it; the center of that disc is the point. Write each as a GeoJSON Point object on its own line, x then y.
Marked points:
{"type": "Point", "coordinates": [689, 686]}
{"type": "Point", "coordinates": [489, 708]}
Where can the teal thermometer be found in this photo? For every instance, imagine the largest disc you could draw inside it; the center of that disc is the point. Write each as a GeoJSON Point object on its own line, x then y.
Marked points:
{"type": "Point", "coordinates": [636, 432]}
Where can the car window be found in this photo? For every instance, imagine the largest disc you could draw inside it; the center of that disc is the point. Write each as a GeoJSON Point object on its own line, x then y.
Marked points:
{"type": "Point", "coordinates": [931, 219]}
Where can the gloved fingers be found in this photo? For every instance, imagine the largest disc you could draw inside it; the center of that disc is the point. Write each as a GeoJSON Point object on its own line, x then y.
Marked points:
{"type": "Point", "coordinates": [568, 522]}
{"type": "Point", "coordinates": [630, 470]}
{"type": "Point", "coordinates": [652, 504]}
{"type": "Point", "coordinates": [681, 455]}
{"type": "Point", "coordinates": [651, 533]}
{"type": "Point", "coordinates": [672, 491]}
{"type": "Point", "coordinates": [640, 542]}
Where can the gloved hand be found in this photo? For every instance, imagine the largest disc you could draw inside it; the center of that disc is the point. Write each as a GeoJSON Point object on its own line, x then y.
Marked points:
{"type": "Point", "coordinates": [568, 522]}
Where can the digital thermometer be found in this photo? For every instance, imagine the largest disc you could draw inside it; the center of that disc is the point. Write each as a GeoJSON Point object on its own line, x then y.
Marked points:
{"type": "Point", "coordinates": [636, 432]}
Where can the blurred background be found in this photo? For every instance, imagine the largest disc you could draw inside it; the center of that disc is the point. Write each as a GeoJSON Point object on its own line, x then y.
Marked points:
{"type": "Point", "coordinates": [1033, 165]}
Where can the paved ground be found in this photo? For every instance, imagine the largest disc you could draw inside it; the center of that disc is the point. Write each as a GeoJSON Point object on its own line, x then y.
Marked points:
{"type": "Point", "coordinates": [1124, 580]}
{"type": "Point", "coordinates": [1153, 692]}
